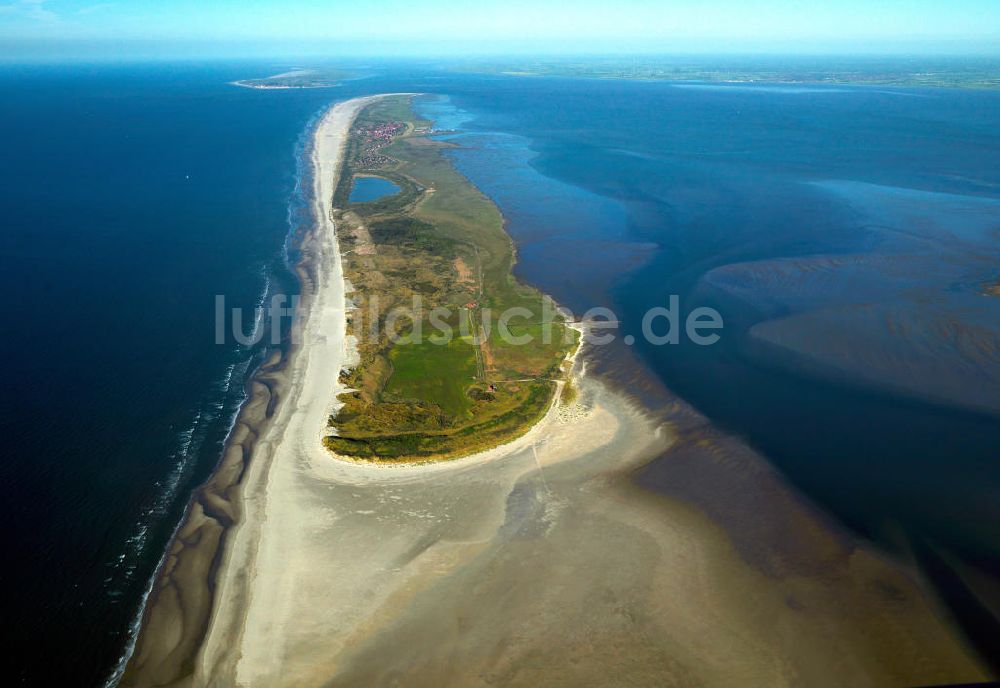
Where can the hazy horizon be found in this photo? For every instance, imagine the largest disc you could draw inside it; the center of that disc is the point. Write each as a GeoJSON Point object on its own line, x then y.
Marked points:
{"type": "Point", "coordinates": [82, 29]}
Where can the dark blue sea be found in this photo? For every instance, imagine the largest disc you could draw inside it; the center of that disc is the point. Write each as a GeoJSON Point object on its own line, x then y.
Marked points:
{"type": "Point", "coordinates": [847, 236]}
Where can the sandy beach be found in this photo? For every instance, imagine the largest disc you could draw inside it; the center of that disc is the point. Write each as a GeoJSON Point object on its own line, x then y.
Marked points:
{"type": "Point", "coordinates": [289, 394]}
{"type": "Point", "coordinates": [540, 563]}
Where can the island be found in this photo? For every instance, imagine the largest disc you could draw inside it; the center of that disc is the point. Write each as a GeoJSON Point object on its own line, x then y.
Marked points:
{"type": "Point", "coordinates": [347, 555]}
{"type": "Point", "coordinates": [453, 355]}
{"type": "Point", "coordinates": [296, 78]}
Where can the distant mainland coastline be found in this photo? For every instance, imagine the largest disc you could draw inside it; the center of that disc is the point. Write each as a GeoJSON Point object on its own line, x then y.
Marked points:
{"type": "Point", "coordinates": [888, 71]}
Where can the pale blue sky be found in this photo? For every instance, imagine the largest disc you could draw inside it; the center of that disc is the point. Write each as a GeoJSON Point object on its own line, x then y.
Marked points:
{"type": "Point", "coordinates": [520, 25]}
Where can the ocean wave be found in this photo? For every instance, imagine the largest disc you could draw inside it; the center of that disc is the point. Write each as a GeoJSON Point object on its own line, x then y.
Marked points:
{"type": "Point", "coordinates": [223, 405]}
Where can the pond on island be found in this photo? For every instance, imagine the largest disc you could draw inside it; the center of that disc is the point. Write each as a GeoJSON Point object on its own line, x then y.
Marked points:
{"type": "Point", "coordinates": [371, 189]}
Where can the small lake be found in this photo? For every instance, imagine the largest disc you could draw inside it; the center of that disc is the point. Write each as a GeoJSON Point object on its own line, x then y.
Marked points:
{"type": "Point", "coordinates": [371, 189]}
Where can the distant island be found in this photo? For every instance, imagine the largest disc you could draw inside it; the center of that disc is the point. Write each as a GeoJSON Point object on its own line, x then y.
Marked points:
{"type": "Point", "coordinates": [296, 78]}
{"type": "Point", "coordinates": [939, 72]}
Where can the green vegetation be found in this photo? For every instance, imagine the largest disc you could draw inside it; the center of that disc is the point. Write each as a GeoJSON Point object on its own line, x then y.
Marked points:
{"type": "Point", "coordinates": [569, 394]}
{"type": "Point", "coordinates": [435, 373]}
{"type": "Point", "coordinates": [441, 380]}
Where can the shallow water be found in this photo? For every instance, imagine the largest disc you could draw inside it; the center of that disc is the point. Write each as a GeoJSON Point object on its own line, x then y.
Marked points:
{"type": "Point", "coordinates": [870, 289]}
{"type": "Point", "coordinates": [845, 235]}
